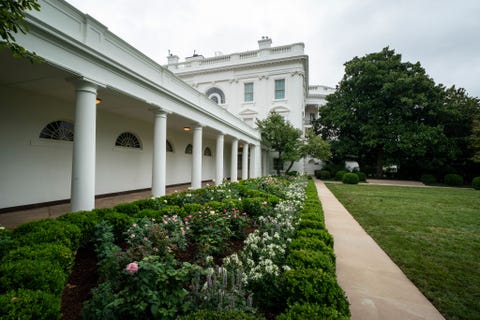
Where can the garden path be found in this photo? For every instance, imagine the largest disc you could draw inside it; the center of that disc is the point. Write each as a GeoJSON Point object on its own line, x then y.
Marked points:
{"type": "Point", "coordinates": [15, 218]}
{"type": "Point", "coordinates": [375, 286]}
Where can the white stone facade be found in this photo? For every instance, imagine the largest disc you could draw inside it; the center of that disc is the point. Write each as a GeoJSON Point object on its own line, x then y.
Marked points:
{"type": "Point", "coordinates": [245, 84]}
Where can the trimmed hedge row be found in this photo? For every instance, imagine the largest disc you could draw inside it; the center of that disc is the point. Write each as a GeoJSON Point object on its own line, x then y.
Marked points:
{"type": "Point", "coordinates": [312, 288]}
{"type": "Point", "coordinates": [37, 257]}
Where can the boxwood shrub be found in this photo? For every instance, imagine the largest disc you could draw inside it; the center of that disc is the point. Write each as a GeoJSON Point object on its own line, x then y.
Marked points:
{"type": "Point", "coordinates": [428, 179]}
{"type": "Point", "coordinates": [339, 175]}
{"type": "Point", "coordinates": [303, 311]}
{"type": "Point", "coordinates": [29, 304]}
{"type": "Point", "coordinates": [128, 208]}
{"type": "Point", "coordinates": [323, 235]}
{"type": "Point", "coordinates": [221, 315]}
{"type": "Point", "coordinates": [476, 183]}
{"type": "Point", "coordinates": [453, 179]}
{"type": "Point", "coordinates": [362, 177]}
{"type": "Point", "coordinates": [309, 223]}
{"type": "Point", "coordinates": [311, 259]}
{"type": "Point", "coordinates": [48, 231]}
{"type": "Point", "coordinates": [46, 251]}
{"type": "Point", "coordinates": [350, 178]}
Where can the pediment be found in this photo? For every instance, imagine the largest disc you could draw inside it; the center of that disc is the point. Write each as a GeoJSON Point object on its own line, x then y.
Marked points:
{"type": "Point", "coordinates": [248, 112]}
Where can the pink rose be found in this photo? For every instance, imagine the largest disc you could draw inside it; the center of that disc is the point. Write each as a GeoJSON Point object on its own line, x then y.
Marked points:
{"type": "Point", "coordinates": [132, 268]}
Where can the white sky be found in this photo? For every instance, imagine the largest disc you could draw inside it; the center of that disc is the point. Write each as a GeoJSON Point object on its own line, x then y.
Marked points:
{"type": "Point", "coordinates": [444, 35]}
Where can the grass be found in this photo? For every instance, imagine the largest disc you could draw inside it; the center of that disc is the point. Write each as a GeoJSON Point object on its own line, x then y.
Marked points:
{"type": "Point", "coordinates": [432, 234]}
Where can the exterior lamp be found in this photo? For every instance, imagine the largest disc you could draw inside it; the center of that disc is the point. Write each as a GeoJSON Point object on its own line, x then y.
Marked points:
{"type": "Point", "coordinates": [98, 101]}
{"type": "Point", "coordinates": [186, 129]}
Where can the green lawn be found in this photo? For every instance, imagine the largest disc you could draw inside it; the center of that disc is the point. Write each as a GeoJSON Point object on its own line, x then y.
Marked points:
{"type": "Point", "coordinates": [433, 234]}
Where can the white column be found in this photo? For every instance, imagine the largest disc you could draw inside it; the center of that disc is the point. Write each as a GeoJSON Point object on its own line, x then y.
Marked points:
{"type": "Point", "coordinates": [219, 160]}
{"type": "Point", "coordinates": [159, 166]}
{"type": "Point", "coordinates": [83, 164]}
{"type": "Point", "coordinates": [245, 161]}
{"type": "Point", "coordinates": [197, 157]}
{"type": "Point", "coordinates": [252, 162]}
{"type": "Point", "coordinates": [258, 161]}
{"type": "Point", "coordinates": [264, 163]}
{"type": "Point", "coordinates": [234, 161]}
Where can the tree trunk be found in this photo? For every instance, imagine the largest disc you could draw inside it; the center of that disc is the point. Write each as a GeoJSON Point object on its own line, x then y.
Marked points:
{"type": "Point", "coordinates": [290, 166]}
{"type": "Point", "coordinates": [379, 166]}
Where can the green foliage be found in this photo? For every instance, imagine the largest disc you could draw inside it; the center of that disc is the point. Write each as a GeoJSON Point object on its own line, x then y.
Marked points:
{"type": "Point", "coordinates": [221, 315]}
{"type": "Point", "coordinates": [428, 179]}
{"type": "Point", "coordinates": [350, 178]}
{"type": "Point", "coordinates": [315, 286]}
{"type": "Point", "coordinates": [6, 241]}
{"type": "Point", "coordinates": [320, 234]}
{"type": "Point", "coordinates": [192, 207]}
{"type": "Point", "coordinates": [339, 175]}
{"type": "Point", "coordinates": [316, 147]}
{"type": "Point", "coordinates": [279, 135]}
{"type": "Point", "coordinates": [476, 183]}
{"type": "Point", "coordinates": [311, 243]}
{"type": "Point", "coordinates": [29, 304]}
{"type": "Point", "coordinates": [312, 259]}
{"type": "Point", "coordinates": [453, 179]}
{"type": "Point", "coordinates": [153, 204]}
{"type": "Point", "coordinates": [37, 274]}
{"type": "Point", "coordinates": [12, 21]}
{"type": "Point", "coordinates": [306, 311]}
{"type": "Point", "coordinates": [128, 208]}
{"type": "Point", "coordinates": [48, 231]}
{"type": "Point", "coordinates": [256, 207]}
{"type": "Point", "coordinates": [56, 253]}
{"type": "Point", "coordinates": [308, 223]}
{"type": "Point", "coordinates": [386, 111]}
{"type": "Point", "coordinates": [324, 175]}
{"type": "Point", "coordinates": [362, 177]}
{"type": "Point", "coordinates": [119, 221]}
{"type": "Point", "coordinates": [475, 139]}
{"type": "Point", "coordinates": [85, 220]}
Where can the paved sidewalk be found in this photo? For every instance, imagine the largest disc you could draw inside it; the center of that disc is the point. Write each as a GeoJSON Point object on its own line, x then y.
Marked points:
{"type": "Point", "coordinates": [375, 286]}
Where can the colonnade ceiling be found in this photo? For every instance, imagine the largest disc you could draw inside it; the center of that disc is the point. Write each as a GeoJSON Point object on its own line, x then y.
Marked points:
{"type": "Point", "coordinates": [48, 80]}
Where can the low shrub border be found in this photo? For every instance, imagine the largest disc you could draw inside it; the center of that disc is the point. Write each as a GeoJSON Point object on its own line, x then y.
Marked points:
{"type": "Point", "coordinates": [310, 250]}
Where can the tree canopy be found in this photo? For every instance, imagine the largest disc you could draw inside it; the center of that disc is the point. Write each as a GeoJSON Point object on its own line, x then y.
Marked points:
{"type": "Point", "coordinates": [280, 136]}
{"type": "Point", "coordinates": [387, 112]}
{"type": "Point", "coordinates": [12, 20]}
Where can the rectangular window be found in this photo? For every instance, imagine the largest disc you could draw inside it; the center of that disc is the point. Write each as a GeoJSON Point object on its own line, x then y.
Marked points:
{"type": "Point", "coordinates": [280, 89]}
{"type": "Point", "coordinates": [248, 92]}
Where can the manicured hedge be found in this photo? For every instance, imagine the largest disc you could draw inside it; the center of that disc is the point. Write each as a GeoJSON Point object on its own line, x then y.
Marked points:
{"type": "Point", "coordinates": [311, 287]}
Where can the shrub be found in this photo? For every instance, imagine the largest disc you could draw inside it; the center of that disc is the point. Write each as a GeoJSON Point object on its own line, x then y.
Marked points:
{"type": "Point", "coordinates": [48, 231]}
{"type": "Point", "coordinates": [312, 311]}
{"type": "Point", "coordinates": [324, 174]}
{"type": "Point", "coordinates": [453, 179]}
{"type": "Point", "coordinates": [312, 259]}
{"type": "Point", "coordinates": [339, 175]}
{"type": "Point", "coordinates": [47, 251]}
{"type": "Point", "coordinates": [476, 183]}
{"type": "Point", "coordinates": [362, 177]}
{"type": "Point", "coordinates": [316, 173]}
{"type": "Point", "coordinates": [323, 235]}
{"type": "Point", "coordinates": [350, 178]}
{"type": "Point", "coordinates": [311, 215]}
{"type": "Point", "coordinates": [85, 220]}
{"type": "Point", "coordinates": [128, 208]}
{"type": "Point", "coordinates": [32, 274]}
{"type": "Point", "coordinates": [221, 315]}
{"type": "Point", "coordinates": [29, 304]}
{"type": "Point", "coordinates": [255, 206]}
{"type": "Point", "coordinates": [316, 244]}
{"type": "Point", "coordinates": [315, 286]}
{"type": "Point", "coordinates": [308, 223]}
{"type": "Point", "coordinates": [6, 241]}
{"type": "Point", "coordinates": [153, 204]}
{"type": "Point", "coordinates": [292, 173]}
{"type": "Point", "coordinates": [428, 179]}
{"type": "Point", "coordinates": [192, 208]}
{"type": "Point", "coordinates": [119, 222]}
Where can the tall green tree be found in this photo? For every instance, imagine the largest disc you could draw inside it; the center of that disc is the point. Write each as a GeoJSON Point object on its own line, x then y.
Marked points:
{"type": "Point", "coordinates": [386, 111]}
{"type": "Point", "coordinates": [279, 135]}
{"type": "Point", "coordinates": [475, 140]}
{"type": "Point", "coordinates": [316, 147]}
{"type": "Point", "coordinates": [12, 21]}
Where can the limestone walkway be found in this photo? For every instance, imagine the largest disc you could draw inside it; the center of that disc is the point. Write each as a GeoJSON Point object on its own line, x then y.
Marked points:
{"type": "Point", "coordinates": [375, 286]}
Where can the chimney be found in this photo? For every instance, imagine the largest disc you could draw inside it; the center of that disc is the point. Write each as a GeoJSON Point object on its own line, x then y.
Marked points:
{"type": "Point", "coordinates": [264, 43]}
{"type": "Point", "coordinates": [172, 59]}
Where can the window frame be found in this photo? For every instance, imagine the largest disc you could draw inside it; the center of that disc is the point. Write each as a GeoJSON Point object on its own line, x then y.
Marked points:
{"type": "Point", "coordinates": [248, 93]}
{"type": "Point", "coordinates": [279, 93]}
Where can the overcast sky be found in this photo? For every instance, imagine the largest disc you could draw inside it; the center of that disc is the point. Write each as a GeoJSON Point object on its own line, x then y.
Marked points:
{"type": "Point", "coordinates": [443, 35]}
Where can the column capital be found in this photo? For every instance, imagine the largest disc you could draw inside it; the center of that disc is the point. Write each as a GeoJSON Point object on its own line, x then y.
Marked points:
{"type": "Point", "coordinates": [159, 110]}
{"type": "Point", "coordinates": [84, 82]}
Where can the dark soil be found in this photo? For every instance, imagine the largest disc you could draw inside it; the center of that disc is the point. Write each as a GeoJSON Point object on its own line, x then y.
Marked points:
{"type": "Point", "coordinates": [82, 280]}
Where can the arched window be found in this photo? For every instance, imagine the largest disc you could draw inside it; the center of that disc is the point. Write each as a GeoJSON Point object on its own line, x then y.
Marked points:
{"type": "Point", "coordinates": [207, 152]}
{"type": "Point", "coordinates": [58, 130]}
{"type": "Point", "coordinates": [216, 95]}
{"type": "Point", "coordinates": [189, 149]}
{"type": "Point", "coordinates": [128, 140]}
{"type": "Point", "coordinates": [169, 147]}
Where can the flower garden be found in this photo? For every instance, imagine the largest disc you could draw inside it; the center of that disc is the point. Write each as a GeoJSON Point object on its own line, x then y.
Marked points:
{"type": "Point", "coordinates": [256, 249]}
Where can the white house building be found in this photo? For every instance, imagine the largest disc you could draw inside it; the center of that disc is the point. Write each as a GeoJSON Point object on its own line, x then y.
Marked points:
{"type": "Point", "coordinates": [251, 84]}
{"type": "Point", "coordinates": [98, 117]}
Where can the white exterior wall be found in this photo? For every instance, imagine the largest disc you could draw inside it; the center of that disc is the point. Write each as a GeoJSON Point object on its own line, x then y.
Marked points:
{"type": "Point", "coordinates": [38, 170]}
